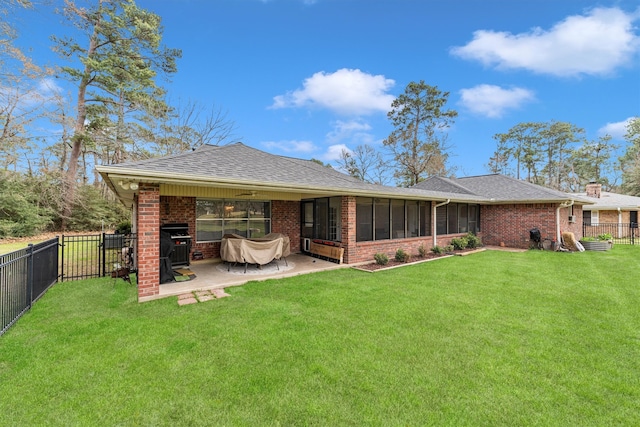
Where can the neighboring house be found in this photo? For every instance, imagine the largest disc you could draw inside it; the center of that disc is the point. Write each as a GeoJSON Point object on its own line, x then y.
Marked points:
{"type": "Point", "coordinates": [238, 189]}
{"type": "Point", "coordinates": [610, 208]}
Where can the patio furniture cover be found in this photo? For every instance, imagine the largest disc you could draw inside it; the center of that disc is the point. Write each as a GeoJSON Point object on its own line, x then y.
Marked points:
{"type": "Point", "coordinates": [261, 251]}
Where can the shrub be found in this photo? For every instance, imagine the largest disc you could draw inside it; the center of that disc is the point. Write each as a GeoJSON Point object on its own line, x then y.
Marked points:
{"type": "Point", "coordinates": [381, 259]}
{"type": "Point", "coordinates": [459, 243]}
{"type": "Point", "coordinates": [437, 250]}
{"type": "Point", "coordinates": [422, 250]}
{"type": "Point", "coordinates": [402, 256]}
{"type": "Point", "coordinates": [473, 241]}
{"type": "Point", "coordinates": [605, 236]}
{"type": "Point", "coordinates": [449, 248]}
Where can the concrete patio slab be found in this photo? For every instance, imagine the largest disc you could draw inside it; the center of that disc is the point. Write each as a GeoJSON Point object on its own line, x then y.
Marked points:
{"type": "Point", "coordinates": [212, 273]}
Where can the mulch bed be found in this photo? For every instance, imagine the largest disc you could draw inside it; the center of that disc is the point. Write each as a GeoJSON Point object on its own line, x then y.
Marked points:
{"type": "Point", "coordinates": [414, 259]}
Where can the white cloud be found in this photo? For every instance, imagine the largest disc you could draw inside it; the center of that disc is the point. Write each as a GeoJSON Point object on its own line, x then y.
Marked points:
{"type": "Point", "coordinates": [493, 101]}
{"type": "Point", "coordinates": [356, 131]}
{"type": "Point", "coordinates": [348, 92]}
{"type": "Point", "coordinates": [292, 146]}
{"type": "Point", "coordinates": [333, 152]}
{"type": "Point", "coordinates": [49, 87]}
{"type": "Point", "coordinates": [616, 130]}
{"type": "Point", "coordinates": [595, 43]}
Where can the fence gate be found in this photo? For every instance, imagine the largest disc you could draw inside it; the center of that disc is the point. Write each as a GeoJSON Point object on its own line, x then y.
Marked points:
{"type": "Point", "coordinates": [96, 255]}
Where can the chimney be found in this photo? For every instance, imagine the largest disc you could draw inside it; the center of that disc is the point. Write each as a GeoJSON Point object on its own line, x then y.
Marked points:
{"type": "Point", "coordinates": [593, 190]}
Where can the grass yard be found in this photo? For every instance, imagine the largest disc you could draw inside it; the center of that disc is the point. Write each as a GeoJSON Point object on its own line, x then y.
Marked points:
{"type": "Point", "coordinates": [494, 338]}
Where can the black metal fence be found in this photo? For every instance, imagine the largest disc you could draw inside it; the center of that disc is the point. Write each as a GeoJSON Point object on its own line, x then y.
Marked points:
{"type": "Point", "coordinates": [626, 234]}
{"type": "Point", "coordinates": [27, 273]}
{"type": "Point", "coordinates": [96, 255]}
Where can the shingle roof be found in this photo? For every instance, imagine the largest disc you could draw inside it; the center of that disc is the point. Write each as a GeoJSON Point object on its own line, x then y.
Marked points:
{"type": "Point", "coordinates": [237, 164]}
{"type": "Point", "coordinates": [497, 188]}
{"type": "Point", "coordinates": [611, 201]}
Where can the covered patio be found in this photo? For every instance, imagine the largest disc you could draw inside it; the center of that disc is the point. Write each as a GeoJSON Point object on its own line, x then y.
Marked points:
{"type": "Point", "coordinates": [211, 273]}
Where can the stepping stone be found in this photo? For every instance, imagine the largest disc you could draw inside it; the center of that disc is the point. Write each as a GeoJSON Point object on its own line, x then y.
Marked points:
{"type": "Point", "coordinates": [185, 301]}
{"type": "Point", "coordinates": [219, 293]}
{"type": "Point", "coordinates": [204, 296]}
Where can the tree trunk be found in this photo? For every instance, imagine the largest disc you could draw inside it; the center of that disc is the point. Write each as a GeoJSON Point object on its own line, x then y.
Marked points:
{"type": "Point", "coordinates": [78, 135]}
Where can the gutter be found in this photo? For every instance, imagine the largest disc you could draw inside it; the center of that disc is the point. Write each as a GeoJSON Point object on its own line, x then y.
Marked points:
{"type": "Point", "coordinates": [433, 220]}
{"type": "Point", "coordinates": [561, 206]}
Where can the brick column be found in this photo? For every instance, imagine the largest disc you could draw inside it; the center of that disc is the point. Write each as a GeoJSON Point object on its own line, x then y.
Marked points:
{"type": "Point", "coordinates": [148, 215]}
{"type": "Point", "coordinates": [348, 222]}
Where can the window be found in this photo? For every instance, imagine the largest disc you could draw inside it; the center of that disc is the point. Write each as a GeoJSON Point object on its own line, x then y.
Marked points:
{"type": "Point", "coordinates": [413, 217]}
{"type": "Point", "coordinates": [215, 218]}
{"type": "Point", "coordinates": [595, 217]}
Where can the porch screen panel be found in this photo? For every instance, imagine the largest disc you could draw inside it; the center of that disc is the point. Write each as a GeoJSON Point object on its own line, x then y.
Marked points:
{"type": "Point", "coordinates": [307, 219]}
{"type": "Point", "coordinates": [322, 218]}
{"type": "Point", "coordinates": [463, 218]}
{"type": "Point", "coordinates": [452, 218]}
{"type": "Point", "coordinates": [335, 219]}
{"type": "Point", "coordinates": [413, 229]}
{"type": "Point", "coordinates": [382, 219]}
{"type": "Point", "coordinates": [425, 219]}
{"type": "Point", "coordinates": [473, 218]}
{"type": "Point", "coordinates": [364, 219]}
{"type": "Point", "coordinates": [397, 219]}
{"type": "Point", "coordinates": [441, 219]}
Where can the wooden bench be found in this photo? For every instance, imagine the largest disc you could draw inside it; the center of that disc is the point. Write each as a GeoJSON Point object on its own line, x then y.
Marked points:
{"type": "Point", "coordinates": [334, 253]}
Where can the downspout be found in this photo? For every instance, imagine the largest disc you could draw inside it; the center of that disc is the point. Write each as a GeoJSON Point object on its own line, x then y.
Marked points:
{"type": "Point", "coordinates": [620, 222]}
{"type": "Point", "coordinates": [562, 205]}
{"type": "Point", "coordinates": [433, 220]}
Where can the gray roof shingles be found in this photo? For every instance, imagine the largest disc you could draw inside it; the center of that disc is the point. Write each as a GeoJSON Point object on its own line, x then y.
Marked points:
{"type": "Point", "coordinates": [249, 165]}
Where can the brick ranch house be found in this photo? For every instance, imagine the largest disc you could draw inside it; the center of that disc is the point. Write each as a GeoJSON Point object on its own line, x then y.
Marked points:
{"type": "Point", "coordinates": [609, 208]}
{"type": "Point", "coordinates": [238, 189]}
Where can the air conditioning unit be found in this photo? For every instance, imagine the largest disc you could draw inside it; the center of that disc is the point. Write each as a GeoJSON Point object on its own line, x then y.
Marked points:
{"type": "Point", "coordinates": [572, 218]}
{"type": "Point", "coordinates": [306, 245]}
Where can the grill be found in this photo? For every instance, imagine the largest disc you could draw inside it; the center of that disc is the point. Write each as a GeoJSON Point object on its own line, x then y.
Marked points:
{"type": "Point", "coordinates": [179, 234]}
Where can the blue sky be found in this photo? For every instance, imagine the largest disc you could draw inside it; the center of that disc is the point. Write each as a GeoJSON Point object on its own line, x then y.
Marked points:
{"type": "Point", "coordinates": [307, 78]}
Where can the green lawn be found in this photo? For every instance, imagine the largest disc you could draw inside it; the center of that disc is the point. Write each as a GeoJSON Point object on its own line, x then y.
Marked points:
{"type": "Point", "coordinates": [494, 338]}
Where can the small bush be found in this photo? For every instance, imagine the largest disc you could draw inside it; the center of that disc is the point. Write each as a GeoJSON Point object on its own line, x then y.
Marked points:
{"type": "Point", "coordinates": [381, 259]}
{"type": "Point", "coordinates": [422, 251]}
{"type": "Point", "coordinates": [437, 250]}
{"type": "Point", "coordinates": [449, 248]}
{"type": "Point", "coordinates": [473, 241]}
{"type": "Point", "coordinates": [605, 236]}
{"type": "Point", "coordinates": [459, 243]}
{"type": "Point", "coordinates": [402, 256]}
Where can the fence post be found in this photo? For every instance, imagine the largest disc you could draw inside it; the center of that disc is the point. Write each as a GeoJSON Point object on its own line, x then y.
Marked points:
{"type": "Point", "coordinates": [30, 274]}
{"type": "Point", "coordinates": [104, 255]}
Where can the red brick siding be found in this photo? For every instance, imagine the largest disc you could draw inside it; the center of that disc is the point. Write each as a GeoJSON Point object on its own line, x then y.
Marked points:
{"type": "Point", "coordinates": [285, 219]}
{"type": "Point", "coordinates": [348, 229]}
{"type": "Point", "coordinates": [148, 215]}
{"type": "Point", "coordinates": [510, 224]}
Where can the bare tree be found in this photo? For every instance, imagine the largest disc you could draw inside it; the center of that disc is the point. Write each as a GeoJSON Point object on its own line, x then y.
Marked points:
{"type": "Point", "coordinates": [365, 163]}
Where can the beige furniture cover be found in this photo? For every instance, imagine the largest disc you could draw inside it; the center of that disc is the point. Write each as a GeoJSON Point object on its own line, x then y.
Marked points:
{"type": "Point", "coordinates": [234, 248]}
